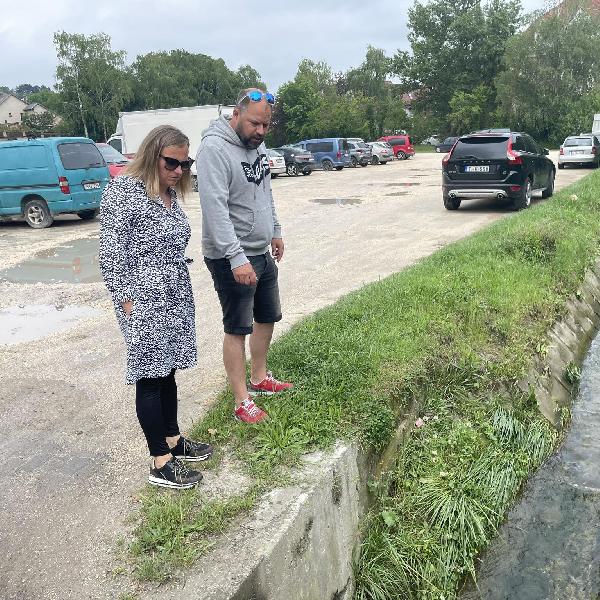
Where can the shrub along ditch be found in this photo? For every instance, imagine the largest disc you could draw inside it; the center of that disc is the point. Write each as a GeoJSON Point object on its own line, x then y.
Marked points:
{"type": "Point", "coordinates": [451, 335]}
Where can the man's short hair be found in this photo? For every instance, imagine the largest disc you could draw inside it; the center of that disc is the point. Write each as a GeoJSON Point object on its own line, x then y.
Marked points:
{"type": "Point", "coordinates": [243, 101]}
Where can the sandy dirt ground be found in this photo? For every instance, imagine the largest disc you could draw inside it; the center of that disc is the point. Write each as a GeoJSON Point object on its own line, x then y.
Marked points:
{"type": "Point", "coordinates": [74, 457]}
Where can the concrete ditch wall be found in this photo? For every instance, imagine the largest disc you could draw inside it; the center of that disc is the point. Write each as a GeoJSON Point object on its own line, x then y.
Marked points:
{"type": "Point", "coordinates": [300, 542]}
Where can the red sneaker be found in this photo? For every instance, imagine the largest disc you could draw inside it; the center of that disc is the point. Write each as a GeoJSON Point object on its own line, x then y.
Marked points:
{"type": "Point", "coordinates": [248, 412]}
{"type": "Point", "coordinates": [270, 385]}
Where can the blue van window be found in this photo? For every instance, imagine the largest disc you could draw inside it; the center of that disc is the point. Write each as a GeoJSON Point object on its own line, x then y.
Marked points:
{"type": "Point", "coordinates": [13, 158]}
{"type": "Point", "coordinates": [79, 155]}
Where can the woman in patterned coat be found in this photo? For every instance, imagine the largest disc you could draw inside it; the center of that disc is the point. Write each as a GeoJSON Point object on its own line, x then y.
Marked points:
{"type": "Point", "coordinates": [143, 236]}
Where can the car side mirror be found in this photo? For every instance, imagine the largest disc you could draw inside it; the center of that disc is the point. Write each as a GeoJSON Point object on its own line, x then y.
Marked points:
{"type": "Point", "coordinates": [546, 151]}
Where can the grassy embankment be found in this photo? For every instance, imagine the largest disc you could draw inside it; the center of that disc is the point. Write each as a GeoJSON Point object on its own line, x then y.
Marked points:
{"type": "Point", "coordinates": [450, 335]}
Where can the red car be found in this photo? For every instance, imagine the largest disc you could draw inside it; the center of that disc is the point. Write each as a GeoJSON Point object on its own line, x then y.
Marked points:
{"type": "Point", "coordinates": [114, 159]}
{"type": "Point", "coordinates": [401, 144]}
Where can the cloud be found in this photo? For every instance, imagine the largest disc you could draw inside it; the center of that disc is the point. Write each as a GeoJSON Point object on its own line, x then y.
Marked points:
{"type": "Point", "coordinates": [271, 37]}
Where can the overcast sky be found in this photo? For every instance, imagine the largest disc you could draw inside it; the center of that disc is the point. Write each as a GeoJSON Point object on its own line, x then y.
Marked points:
{"type": "Point", "coordinates": [271, 36]}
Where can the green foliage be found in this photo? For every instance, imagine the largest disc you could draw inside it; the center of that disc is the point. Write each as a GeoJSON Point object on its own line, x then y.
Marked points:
{"type": "Point", "coordinates": [456, 47]}
{"type": "Point", "coordinates": [174, 529]}
{"type": "Point", "coordinates": [38, 123]}
{"type": "Point", "coordinates": [180, 78]}
{"type": "Point", "coordinates": [91, 81]}
{"type": "Point", "coordinates": [550, 85]}
{"type": "Point", "coordinates": [469, 109]}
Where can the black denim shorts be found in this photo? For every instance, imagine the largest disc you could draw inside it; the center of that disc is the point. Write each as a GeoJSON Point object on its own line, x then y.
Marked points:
{"type": "Point", "coordinates": [243, 304]}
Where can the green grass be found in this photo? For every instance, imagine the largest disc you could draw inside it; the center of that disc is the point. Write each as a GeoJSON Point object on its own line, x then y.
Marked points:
{"type": "Point", "coordinates": [424, 148]}
{"type": "Point", "coordinates": [450, 335]}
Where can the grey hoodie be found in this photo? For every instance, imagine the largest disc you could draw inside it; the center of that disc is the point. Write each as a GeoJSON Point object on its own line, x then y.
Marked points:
{"type": "Point", "coordinates": [238, 213]}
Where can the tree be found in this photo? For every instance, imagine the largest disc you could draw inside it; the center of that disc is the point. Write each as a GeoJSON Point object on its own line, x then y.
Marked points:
{"type": "Point", "coordinates": [549, 70]}
{"type": "Point", "coordinates": [468, 110]}
{"type": "Point", "coordinates": [38, 123]}
{"type": "Point", "coordinates": [24, 90]}
{"type": "Point", "coordinates": [456, 45]}
{"type": "Point", "coordinates": [91, 80]}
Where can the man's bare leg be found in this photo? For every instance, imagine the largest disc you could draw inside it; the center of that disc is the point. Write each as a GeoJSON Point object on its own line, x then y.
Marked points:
{"type": "Point", "coordinates": [260, 340]}
{"type": "Point", "coordinates": [234, 359]}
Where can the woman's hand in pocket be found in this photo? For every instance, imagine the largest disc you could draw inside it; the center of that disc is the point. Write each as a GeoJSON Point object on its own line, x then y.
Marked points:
{"type": "Point", "coordinates": [127, 307]}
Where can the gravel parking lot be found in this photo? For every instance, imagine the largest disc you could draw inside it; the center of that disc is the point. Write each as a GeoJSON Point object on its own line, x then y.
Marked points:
{"type": "Point", "coordinates": [73, 455]}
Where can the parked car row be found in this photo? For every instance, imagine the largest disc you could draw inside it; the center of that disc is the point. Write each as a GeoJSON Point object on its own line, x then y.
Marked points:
{"type": "Point", "coordinates": [337, 153]}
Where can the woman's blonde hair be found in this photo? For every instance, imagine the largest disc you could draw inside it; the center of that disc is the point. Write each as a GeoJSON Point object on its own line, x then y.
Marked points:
{"type": "Point", "coordinates": [145, 164]}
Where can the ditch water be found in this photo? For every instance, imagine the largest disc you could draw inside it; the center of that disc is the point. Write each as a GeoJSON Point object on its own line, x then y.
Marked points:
{"type": "Point", "coordinates": [75, 262]}
{"type": "Point", "coordinates": [27, 323]}
{"type": "Point", "coordinates": [549, 547]}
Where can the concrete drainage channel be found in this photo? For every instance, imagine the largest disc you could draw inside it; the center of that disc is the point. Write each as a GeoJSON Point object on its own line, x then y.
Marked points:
{"type": "Point", "coordinates": [301, 541]}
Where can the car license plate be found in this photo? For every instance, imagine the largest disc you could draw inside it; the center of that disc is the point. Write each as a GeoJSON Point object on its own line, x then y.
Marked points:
{"type": "Point", "coordinates": [477, 169]}
{"type": "Point", "coordinates": [578, 152]}
{"type": "Point", "coordinates": [95, 185]}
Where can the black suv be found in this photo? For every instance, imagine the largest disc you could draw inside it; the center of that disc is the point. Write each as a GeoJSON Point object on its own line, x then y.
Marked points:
{"type": "Point", "coordinates": [297, 160]}
{"type": "Point", "coordinates": [496, 164]}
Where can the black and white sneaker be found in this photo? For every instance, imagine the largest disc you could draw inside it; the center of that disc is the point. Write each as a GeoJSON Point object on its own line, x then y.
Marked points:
{"type": "Point", "coordinates": [191, 451]}
{"type": "Point", "coordinates": [174, 474]}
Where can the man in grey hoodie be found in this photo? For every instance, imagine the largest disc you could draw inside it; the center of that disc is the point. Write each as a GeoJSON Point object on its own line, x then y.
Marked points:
{"type": "Point", "coordinates": [239, 227]}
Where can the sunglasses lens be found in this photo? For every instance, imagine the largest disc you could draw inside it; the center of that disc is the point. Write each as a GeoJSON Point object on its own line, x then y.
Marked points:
{"type": "Point", "coordinates": [270, 98]}
{"type": "Point", "coordinates": [186, 165]}
{"type": "Point", "coordinates": [255, 96]}
{"type": "Point", "coordinates": [170, 163]}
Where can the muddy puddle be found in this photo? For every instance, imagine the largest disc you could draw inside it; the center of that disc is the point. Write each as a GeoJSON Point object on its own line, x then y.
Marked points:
{"type": "Point", "coordinates": [337, 201]}
{"type": "Point", "coordinates": [27, 323]}
{"type": "Point", "coordinates": [549, 547]}
{"type": "Point", "coordinates": [75, 262]}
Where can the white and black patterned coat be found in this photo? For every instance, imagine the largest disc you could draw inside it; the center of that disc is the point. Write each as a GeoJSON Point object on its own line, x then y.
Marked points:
{"type": "Point", "coordinates": [142, 259]}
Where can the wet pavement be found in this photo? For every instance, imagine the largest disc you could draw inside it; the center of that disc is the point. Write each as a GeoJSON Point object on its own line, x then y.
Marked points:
{"type": "Point", "coordinates": [75, 262]}
{"type": "Point", "coordinates": [26, 323]}
{"type": "Point", "coordinates": [549, 547]}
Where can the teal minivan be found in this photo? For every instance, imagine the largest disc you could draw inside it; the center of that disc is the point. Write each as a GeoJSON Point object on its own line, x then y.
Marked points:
{"type": "Point", "coordinates": [41, 178]}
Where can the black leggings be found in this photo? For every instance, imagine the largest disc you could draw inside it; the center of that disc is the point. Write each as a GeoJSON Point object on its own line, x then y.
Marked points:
{"type": "Point", "coordinates": [156, 408]}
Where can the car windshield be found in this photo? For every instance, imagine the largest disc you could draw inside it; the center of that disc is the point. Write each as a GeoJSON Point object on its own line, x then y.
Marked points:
{"type": "Point", "coordinates": [481, 148]}
{"type": "Point", "coordinates": [273, 152]}
{"type": "Point", "coordinates": [449, 140]}
{"type": "Point", "coordinates": [296, 149]}
{"type": "Point", "coordinates": [579, 141]}
{"type": "Point", "coordinates": [111, 155]}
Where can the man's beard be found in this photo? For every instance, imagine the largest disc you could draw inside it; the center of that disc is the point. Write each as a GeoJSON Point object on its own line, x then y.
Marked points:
{"type": "Point", "coordinates": [251, 143]}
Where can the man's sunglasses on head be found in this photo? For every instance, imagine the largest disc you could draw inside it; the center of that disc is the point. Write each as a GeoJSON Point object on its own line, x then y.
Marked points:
{"type": "Point", "coordinates": [172, 163]}
{"type": "Point", "coordinates": [257, 96]}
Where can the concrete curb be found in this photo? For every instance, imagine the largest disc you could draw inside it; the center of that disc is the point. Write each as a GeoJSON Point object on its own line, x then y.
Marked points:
{"type": "Point", "coordinates": [300, 542]}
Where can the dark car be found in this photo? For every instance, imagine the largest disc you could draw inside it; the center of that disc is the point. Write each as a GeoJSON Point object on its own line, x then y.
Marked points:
{"type": "Point", "coordinates": [297, 160]}
{"type": "Point", "coordinates": [506, 166]}
{"type": "Point", "coordinates": [446, 145]}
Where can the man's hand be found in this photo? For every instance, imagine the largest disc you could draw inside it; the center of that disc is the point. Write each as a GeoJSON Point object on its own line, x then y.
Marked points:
{"type": "Point", "coordinates": [127, 307]}
{"type": "Point", "coordinates": [277, 248]}
{"type": "Point", "coordinates": [244, 274]}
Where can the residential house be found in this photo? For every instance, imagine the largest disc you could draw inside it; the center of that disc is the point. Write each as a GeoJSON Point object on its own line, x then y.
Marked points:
{"type": "Point", "coordinates": [11, 109]}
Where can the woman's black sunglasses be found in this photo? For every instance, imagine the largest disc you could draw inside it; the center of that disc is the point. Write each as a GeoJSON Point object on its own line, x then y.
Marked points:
{"type": "Point", "coordinates": [172, 163]}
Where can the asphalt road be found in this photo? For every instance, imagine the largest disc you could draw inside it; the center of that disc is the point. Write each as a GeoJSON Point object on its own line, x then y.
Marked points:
{"type": "Point", "coordinates": [74, 457]}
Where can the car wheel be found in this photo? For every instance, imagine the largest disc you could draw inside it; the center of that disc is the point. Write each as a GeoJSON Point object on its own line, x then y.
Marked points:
{"type": "Point", "coordinates": [400, 155]}
{"type": "Point", "coordinates": [353, 162]}
{"type": "Point", "coordinates": [292, 170]}
{"type": "Point", "coordinates": [547, 193]}
{"type": "Point", "coordinates": [364, 163]}
{"type": "Point", "coordinates": [524, 199]}
{"type": "Point", "coordinates": [88, 215]}
{"type": "Point", "coordinates": [339, 168]}
{"type": "Point", "coordinates": [307, 172]}
{"type": "Point", "coordinates": [561, 166]}
{"type": "Point", "coordinates": [451, 203]}
{"type": "Point", "coordinates": [274, 175]}
{"type": "Point", "coordinates": [327, 165]}
{"type": "Point", "coordinates": [375, 160]}
{"type": "Point", "coordinates": [36, 214]}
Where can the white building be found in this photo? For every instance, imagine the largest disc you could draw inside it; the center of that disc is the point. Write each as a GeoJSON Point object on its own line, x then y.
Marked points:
{"type": "Point", "coordinates": [11, 109]}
